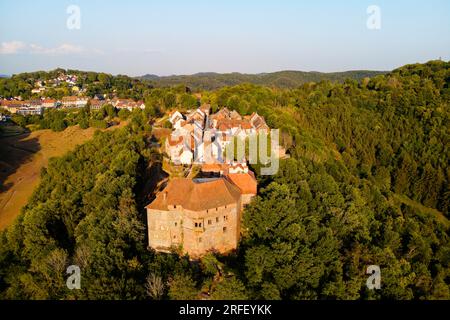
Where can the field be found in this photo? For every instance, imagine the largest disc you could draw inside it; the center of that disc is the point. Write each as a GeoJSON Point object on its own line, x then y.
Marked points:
{"type": "Point", "coordinates": [21, 159]}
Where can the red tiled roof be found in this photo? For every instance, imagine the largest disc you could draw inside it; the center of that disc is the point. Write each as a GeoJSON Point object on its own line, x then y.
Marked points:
{"type": "Point", "coordinates": [246, 125]}
{"type": "Point", "coordinates": [244, 181]}
{"type": "Point", "coordinates": [211, 167]}
{"type": "Point", "coordinates": [70, 98]}
{"type": "Point", "coordinates": [11, 103]}
{"type": "Point", "coordinates": [196, 196]}
{"type": "Point", "coordinates": [176, 141]}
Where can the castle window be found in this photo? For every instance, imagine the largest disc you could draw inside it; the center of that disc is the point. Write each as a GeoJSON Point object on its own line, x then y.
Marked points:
{"type": "Point", "coordinates": [176, 224]}
{"type": "Point", "coordinates": [174, 206]}
{"type": "Point", "coordinates": [200, 224]}
{"type": "Point", "coordinates": [224, 229]}
{"type": "Point", "coordinates": [217, 219]}
{"type": "Point", "coordinates": [217, 209]}
{"type": "Point", "coordinates": [207, 210]}
{"type": "Point", "coordinates": [200, 239]}
{"type": "Point", "coordinates": [174, 237]}
{"type": "Point", "coordinates": [196, 225]}
{"type": "Point", "coordinates": [209, 222]}
{"type": "Point", "coordinates": [225, 218]}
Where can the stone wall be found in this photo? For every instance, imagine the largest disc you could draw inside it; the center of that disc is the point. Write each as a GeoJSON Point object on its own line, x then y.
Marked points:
{"type": "Point", "coordinates": [164, 229]}
{"type": "Point", "coordinates": [198, 232]}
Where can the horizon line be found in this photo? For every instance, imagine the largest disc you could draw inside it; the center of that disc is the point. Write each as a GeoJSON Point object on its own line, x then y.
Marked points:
{"type": "Point", "coordinates": [218, 72]}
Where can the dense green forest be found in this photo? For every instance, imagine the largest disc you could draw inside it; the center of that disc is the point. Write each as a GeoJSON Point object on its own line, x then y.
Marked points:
{"type": "Point", "coordinates": [367, 184]}
{"type": "Point", "coordinates": [280, 79]}
{"type": "Point", "coordinates": [136, 88]}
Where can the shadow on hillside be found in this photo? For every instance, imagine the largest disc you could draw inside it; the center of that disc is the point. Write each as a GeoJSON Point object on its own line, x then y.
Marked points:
{"type": "Point", "coordinates": [14, 152]}
{"type": "Point", "coordinates": [155, 180]}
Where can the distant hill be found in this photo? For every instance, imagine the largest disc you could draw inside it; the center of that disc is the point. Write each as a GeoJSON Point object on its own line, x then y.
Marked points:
{"type": "Point", "coordinates": [281, 79]}
{"type": "Point", "coordinates": [4, 76]}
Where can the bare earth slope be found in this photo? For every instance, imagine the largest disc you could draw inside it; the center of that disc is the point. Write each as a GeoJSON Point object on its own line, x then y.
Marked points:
{"type": "Point", "coordinates": [21, 160]}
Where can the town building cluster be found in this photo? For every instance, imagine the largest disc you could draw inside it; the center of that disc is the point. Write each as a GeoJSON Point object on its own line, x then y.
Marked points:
{"type": "Point", "coordinates": [77, 100]}
{"type": "Point", "coordinates": [204, 214]}
{"type": "Point", "coordinates": [37, 106]}
{"type": "Point", "coordinates": [201, 137]}
{"type": "Point", "coordinates": [41, 86]}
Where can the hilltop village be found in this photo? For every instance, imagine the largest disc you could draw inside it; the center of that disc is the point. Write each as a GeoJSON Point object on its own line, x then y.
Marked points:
{"type": "Point", "coordinates": [204, 213]}
{"type": "Point", "coordinates": [38, 106]}
{"type": "Point", "coordinates": [75, 97]}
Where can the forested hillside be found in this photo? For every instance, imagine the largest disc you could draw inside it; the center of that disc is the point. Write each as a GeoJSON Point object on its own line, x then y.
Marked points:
{"type": "Point", "coordinates": [281, 79]}
{"type": "Point", "coordinates": [367, 184]}
{"type": "Point", "coordinates": [93, 82]}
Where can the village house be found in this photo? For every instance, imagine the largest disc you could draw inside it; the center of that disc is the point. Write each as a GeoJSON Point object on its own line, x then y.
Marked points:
{"type": "Point", "coordinates": [258, 122]}
{"type": "Point", "coordinates": [180, 149]}
{"type": "Point", "coordinates": [198, 216]}
{"type": "Point", "coordinates": [74, 102]}
{"type": "Point", "coordinates": [25, 111]}
{"type": "Point", "coordinates": [38, 90]}
{"type": "Point", "coordinates": [12, 105]}
{"type": "Point", "coordinates": [49, 103]}
{"type": "Point", "coordinates": [37, 103]}
{"type": "Point", "coordinates": [96, 104]}
{"type": "Point", "coordinates": [128, 104]}
{"type": "Point", "coordinates": [33, 107]}
{"type": "Point", "coordinates": [176, 119]}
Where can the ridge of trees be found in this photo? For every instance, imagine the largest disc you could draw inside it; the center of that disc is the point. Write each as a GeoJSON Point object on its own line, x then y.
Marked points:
{"type": "Point", "coordinates": [366, 184]}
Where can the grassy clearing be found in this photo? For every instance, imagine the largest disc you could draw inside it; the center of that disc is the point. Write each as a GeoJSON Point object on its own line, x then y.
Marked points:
{"type": "Point", "coordinates": [23, 156]}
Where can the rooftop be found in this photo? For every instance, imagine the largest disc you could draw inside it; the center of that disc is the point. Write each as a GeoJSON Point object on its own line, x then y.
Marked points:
{"type": "Point", "coordinates": [244, 181]}
{"type": "Point", "coordinates": [196, 195]}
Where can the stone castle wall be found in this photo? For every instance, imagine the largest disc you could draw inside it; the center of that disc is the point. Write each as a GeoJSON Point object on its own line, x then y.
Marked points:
{"type": "Point", "coordinates": [197, 232]}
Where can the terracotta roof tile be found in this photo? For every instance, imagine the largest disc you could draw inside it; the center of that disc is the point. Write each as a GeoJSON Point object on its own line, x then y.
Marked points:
{"type": "Point", "coordinates": [244, 181]}
{"type": "Point", "coordinates": [196, 196]}
{"type": "Point", "coordinates": [174, 142]}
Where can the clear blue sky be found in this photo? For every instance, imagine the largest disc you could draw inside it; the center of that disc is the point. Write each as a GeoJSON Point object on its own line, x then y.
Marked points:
{"type": "Point", "coordinates": [182, 37]}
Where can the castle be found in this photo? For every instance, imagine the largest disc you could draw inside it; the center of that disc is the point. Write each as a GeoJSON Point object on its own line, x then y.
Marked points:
{"type": "Point", "coordinates": [203, 214]}
{"type": "Point", "coordinates": [199, 215]}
